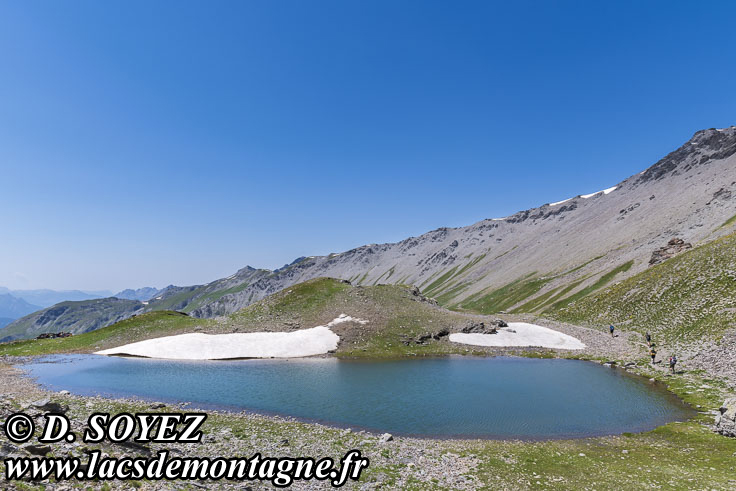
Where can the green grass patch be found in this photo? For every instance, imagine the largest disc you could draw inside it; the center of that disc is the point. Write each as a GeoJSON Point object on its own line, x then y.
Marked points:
{"type": "Point", "coordinates": [729, 222]}
{"type": "Point", "coordinates": [501, 299]}
{"type": "Point", "coordinates": [577, 268]}
{"type": "Point", "coordinates": [602, 281]}
{"type": "Point", "coordinates": [536, 302]}
{"type": "Point", "coordinates": [436, 284]}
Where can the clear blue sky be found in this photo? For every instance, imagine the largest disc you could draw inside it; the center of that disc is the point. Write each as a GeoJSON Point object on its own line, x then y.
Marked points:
{"type": "Point", "coordinates": [148, 143]}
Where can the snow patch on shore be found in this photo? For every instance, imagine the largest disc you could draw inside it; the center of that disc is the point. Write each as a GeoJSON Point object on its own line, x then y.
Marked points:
{"type": "Point", "coordinates": [525, 335]}
{"type": "Point", "coordinates": [199, 346]}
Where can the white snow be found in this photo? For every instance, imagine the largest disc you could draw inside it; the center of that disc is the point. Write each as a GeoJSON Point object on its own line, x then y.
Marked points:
{"type": "Point", "coordinates": [585, 196]}
{"type": "Point", "coordinates": [345, 318]}
{"type": "Point", "coordinates": [560, 202]}
{"type": "Point", "coordinates": [525, 335]}
{"type": "Point", "coordinates": [199, 346]}
{"type": "Point", "coordinates": [605, 191]}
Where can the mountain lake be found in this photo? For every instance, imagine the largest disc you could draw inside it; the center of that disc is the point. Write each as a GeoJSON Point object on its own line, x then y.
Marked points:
{"type": "Point", "coordinates": [452, 397]}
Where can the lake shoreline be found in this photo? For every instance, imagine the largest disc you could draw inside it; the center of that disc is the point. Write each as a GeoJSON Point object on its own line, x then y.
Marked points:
{"type": "Point", "coordinates": [672, 407]}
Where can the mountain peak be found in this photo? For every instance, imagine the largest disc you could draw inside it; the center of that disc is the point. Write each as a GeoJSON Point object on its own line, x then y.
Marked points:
{"type": "Point", "coordinates": [703, 147]}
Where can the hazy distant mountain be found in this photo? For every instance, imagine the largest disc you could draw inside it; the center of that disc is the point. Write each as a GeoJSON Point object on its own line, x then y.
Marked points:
{"type": "Point", "coordinates": [142, 294]}
{"type": "Point", "coordinates": [4, 321]}
{"type": "Point", "coordinates": [12, 307]}
{"type": "Point", "coordinates": [46, 298]}
{"type": "Point", "coordinates": [74, 317]}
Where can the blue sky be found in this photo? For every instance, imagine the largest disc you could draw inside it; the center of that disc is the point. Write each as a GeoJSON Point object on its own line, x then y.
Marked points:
{"type": "Point", "coordinates": [148, 143]}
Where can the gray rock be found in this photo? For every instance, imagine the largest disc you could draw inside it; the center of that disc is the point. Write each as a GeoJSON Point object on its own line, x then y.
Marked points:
{"type": "Point", "coordinates": [7, 449]}
{"type": "Point", "coordinates": [39, 450]}
{"type": "Point", "coordinates": [49, 406]}
{"type": "Point", "coordinates": [673, 247]}
{"type": "Point", "coordinates": [482, 328]}
{"type": "Point", "coordinates": [725, 422]}
{"type": "Point", "coordinates": [385, 438]}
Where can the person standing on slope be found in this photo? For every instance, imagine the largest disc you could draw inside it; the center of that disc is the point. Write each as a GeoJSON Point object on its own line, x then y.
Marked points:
{"type": "Point", "coordinates": [673, 362]}
{"type": "Point", "coordinates": [653, 354]}
{"type": "Point", "coordinates": [649, 338]}
{"type": "Point", "coordinates": [611, 329]}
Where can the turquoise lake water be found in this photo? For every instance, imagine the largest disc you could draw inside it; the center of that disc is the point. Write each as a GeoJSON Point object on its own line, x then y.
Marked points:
{"type": "Point", "coordinates": [443, 397]}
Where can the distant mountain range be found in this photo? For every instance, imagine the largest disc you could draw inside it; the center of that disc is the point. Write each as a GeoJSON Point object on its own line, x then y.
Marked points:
{"type": "Point", "coordinates": [76, 317]}
{"type": "Point", "coordinates": [66, 310]}
{"type": "Point", "coordinates": [13, 307]}
{"type": "Point", "coordinates": [142, 294]}
{"type": "Point", "coordinates": [549, 256]}
{"type": "Point", "coordinates": [46, 298]}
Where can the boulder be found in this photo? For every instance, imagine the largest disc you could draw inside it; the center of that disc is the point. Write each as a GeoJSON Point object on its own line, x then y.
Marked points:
{"type": "Point", "coordinates": [441, 333]}
{"type": "Point", "coordinates": [39, 450]}
{"type": "Point", "coordinates": [673, 247]}
{"type": "Point", "coordinates": [422, 338]}
{"type": "Point", "coordinates": [7, 449]}
{"type": "Point", "coordinates": [386, 437]}
{"type": "Point", "coordinates": [421, 298]}
{"type": "Point", "coordinates": [725, 422]}
{"type": "Point", "coordinates": [49, 406]}
{"type": "Point", "coordinates": [479, 328]}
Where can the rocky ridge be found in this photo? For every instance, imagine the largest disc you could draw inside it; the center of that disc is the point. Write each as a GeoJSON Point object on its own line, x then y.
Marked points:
{"type": "Point", "coordinates": [557, 251]}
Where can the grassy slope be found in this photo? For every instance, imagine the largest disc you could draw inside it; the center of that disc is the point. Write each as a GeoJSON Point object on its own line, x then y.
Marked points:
{"type": "Point", "coordinates": [496, 300]}
{"type": "Point", "coordinates": [521, 295]}
{"type": "Point", "coordinates": [597, 285]}
{"type": "Point", "coordinates": [682, 300]}
{"type": "Point", "coordinates": [393, 311]}
{"type": "Point", "coordinates": [395, 314]}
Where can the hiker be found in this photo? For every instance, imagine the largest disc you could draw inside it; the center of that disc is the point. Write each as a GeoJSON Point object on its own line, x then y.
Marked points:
{"type": "Point", "coordinates": [653, 354]}
{"type": "Point", "coordinates": [673, 362]}
{"type": "Point", "coordinates": [649, 339]}
{"type": "Point", "coordinates": [611, 329]}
